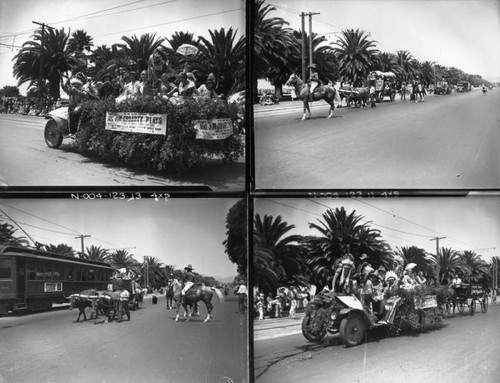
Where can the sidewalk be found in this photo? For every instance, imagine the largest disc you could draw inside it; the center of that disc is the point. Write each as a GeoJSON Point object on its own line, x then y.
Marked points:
{"type": "Point", "coordinates": [271, 328]}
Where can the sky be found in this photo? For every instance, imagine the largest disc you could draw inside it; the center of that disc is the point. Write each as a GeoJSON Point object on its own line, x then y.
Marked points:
{"type": "Point", "coordinates": [107, 21]}
{"type": "Point", "coordinates": [468, 223]}
{"type": "Point", "coordinates": [461, 33]}
{"type": "Point", "coordinates": [179, 231]}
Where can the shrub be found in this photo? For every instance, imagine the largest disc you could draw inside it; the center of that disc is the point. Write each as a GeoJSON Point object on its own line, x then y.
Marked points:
{"type": "Point", "coordinates": [178, 150]}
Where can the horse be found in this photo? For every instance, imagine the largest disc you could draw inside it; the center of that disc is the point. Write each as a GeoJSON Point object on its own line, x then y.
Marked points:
{"type": "Point", "coordinates": [169, 295]}
{"type": "Point", "coordinates": [322, 92]}
{"type": "Point", "coordinates": [194, 294]}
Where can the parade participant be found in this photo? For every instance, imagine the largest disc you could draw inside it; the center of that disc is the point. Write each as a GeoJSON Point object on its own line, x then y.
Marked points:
{"type": "Point", "coordinates": [372, 295]}
{"type": "Point", "coordinates": [120, 285]}
{"type": "Point", "coordinates": [342, 278]}
{"type": "Point", "coordinates": [187, 279]}
{"type": "Point", "coordinates": [456, 281]}
{"type": "Point", "coordinates": [260, 305]}
{"type": "Point", "coordinates": [420, 279]}
{"type": "Point", "coordinates": [391, 289]}
{"type": "Point", "coordinates": [106, 89]}
{"type": "Point", "coordinates": [74, 87]}
{"type": "Point", "coordinates": [187, 86]}
{"type": "Point", "coordinates": [168, 89]}
{"type": "Point", "coordinates": [313, 81]}
{"type": "Point", "coordinates": [242, 292]}
{"type": "Point", "coordinates": [379, 87]}
{"type": "Point", "coordinates": [403, 91]}
{"type": "Point", "coordinates": [208, 89]}
{"type": "Point", "coordinates": [409, 282]}
{"type": "Point", "coordinates": [372, 97]}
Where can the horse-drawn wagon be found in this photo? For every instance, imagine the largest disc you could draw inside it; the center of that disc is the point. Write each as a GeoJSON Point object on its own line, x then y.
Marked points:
{"type": "Point", "coordinates": [468, 295]}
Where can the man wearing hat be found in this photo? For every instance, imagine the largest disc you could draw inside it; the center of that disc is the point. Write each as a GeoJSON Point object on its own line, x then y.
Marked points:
{"type": "Point", "coordinates": [77, 94]}
{"type": "Point", "coordinates": [242, 293]}
{"type": "Point", "coordinates": [313, 80]}
{"type": "Point", "coordinates": [188, 279]}
{"type": "Point", "coordinates": [208, 89]}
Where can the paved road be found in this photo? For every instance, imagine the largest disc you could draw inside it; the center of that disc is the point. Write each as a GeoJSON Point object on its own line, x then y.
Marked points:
{"type": "Point", "coordinates": [25, 160]}
{"type": "Point", "coordinates": [152, 347]}
{"type": "Point", "coordinates": [445, 142]}
{"type": "Point", "coordinates": [466, 349]}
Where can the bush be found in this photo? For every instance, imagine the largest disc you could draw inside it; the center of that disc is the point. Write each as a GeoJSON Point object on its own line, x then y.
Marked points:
{"type": "Point", "coordinates": [178, 150]}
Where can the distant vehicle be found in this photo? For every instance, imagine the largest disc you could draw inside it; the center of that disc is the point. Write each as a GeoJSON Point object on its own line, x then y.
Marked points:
{"type": "Point", "coordinates": [33, 279]}
{"type": "Point", "coordinates": [463, 86]}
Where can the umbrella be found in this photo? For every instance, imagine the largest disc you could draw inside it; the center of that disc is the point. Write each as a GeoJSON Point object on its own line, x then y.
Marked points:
{"type": "Point", "coordinates": [187, 50]}
{"type": "Point", "coordinates": [410, 266]}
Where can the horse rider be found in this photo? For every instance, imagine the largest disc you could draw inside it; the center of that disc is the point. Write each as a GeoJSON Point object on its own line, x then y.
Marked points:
{"type": "Point", "coordinates": [313, 81]}
{"type": "Point", "coordinates": [187, 279]}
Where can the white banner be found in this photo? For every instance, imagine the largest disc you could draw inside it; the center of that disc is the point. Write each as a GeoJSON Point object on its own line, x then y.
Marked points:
{"type": "Point", "coordinates": [137, 122]}
{"type": "Point", "coordinates": [216, 129]}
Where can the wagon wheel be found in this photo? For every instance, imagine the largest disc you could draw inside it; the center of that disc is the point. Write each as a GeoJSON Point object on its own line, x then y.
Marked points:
{"type": "Point", "coordinates": [472, 307]}
{"type": "Point", "coordinates": [484, 304]}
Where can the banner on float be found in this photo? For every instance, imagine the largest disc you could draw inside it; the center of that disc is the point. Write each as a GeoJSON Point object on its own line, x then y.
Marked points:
{"type": "Point", "coordinates": [147, 123]}
{"type": "Point", "coordinates": [216, 129]}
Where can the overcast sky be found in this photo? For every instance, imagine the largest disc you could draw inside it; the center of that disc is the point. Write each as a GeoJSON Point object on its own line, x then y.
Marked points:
{"type": "Point", "coordinates": [468, 223]}
{"type": "Point", "coordinates": [107, 21]}
{"type": "Point", "coordinates": [460, 33]}
{"type": "Point", "coordinates": [179, 232]}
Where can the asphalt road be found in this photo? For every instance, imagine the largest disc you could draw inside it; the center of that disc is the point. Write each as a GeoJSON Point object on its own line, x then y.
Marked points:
{"type": "Point", "coordinates": [152, 347]}
{"type": "Point", "coordinates": [466, 349]}
{"type": "Point", "coordinates": [25, 160]}
{"type": "Point", "coordinates": [446, 142]}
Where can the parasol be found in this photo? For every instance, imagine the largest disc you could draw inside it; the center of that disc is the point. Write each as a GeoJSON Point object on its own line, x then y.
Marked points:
{"type": "Point", "coordinates": [187, 50]}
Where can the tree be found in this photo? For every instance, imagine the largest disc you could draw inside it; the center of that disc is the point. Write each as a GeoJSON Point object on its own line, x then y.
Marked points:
{"type": "Point", "coordinates": [8, 238]}
{"type": "Point", "coordinates": [154, 272]}
{"type": "Point", "coordinates": [79, 43]}
{"type": "Point", "coordinates": [95, 253]}
{"type": "Point", "coordinates": [176, 60]}
{"type": "Point", "coordinates": [475, 268]}
{"type": "Point", "coordinates": [225, 59]}
{"type": "Point", "coordinates": [386, 62]}
{"type": "Point", "coordinates": [138, 50]}
{"type": "Point", "coordinates": [236, 235]}
{"type": "Point", "coordinates": [56, 59]}
{"type": "Point", "coordinates": [356, 55]}
{"type": "Point", "coordinates": [273, 43]}
{"type": "Point", "coordinates": [9, 91]}
{"type": "Point", "coordinates": [414, 254]}
{"type": "Point", "coordinates": [342, 233]}
{"type": "Point", "coordinates": [271, 240]}
{"type": "Point", "coordinates": [449, 262]}
{"type": "Point", "coordinates": [404, 68]}
{"type": "Point", "coordinates": [62, 249]}
{"type": "Point", "coordinates": [122, 259]}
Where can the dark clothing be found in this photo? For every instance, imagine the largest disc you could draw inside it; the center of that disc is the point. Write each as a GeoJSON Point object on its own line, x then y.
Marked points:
{"type": "Point", "coordinates": [188, 277]}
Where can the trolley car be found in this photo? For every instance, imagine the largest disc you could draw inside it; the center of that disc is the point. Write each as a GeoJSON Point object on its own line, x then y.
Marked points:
{"type": "Point", "coordinates": [34, 279]}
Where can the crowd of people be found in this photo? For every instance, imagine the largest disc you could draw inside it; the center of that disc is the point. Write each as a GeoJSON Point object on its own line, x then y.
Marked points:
{"type": "Point", "coordinates": [285, 302]}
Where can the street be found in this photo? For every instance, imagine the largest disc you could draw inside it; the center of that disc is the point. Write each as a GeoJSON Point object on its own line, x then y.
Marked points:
{"type": "Point", "coordinates": [465, 349]}
{"type": "Point", "coordinates": [446, 142]}
{"type": "Point", "coordinates": [27, 161]}
{"type": "Point", "coordinates": [152, 347]}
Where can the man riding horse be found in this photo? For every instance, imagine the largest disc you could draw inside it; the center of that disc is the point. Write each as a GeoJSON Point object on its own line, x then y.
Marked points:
{"type": "Point", "coordinates": [187, 279]}
{"type": "Point", "coordinates": [313, 82]}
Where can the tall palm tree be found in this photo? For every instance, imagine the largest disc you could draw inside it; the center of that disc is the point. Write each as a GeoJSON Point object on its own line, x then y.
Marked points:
{"type": "Point", "coordinates": [56, 59]}
{"type": "Point", "coordinates": [449, 262]}
{"type": "Point", "coordinates": [95, 253]}
{"type": "Point", "coordinates": [414, 254]}
{"type": "Point", "coordinates": [273, 43]}
{"type": "Point", "coordinates": [225, 59]}
{"type": "Point", "coordinates": [475, 267]}
{"type": "Point", "coordinates": [386, 62]}
{"type": "Point", "coordinates": [8, 237]}
{"type": "Point", "coordinates": [342, 233]}
{"type": "Point", "coordinates": [428, 72]}
{"type": "Point", "coordinates": [62, 249]}
{"type": "Point", "coordinates": [154, 272]}
{"type": "Point", "coordinates": [122, 259]}
{"type": "Point", "coordinates": [108, 60]}
{"type": "Point", "coordinates": [267, 273]}
{"type": "Point", "coordinates": [404, 67]}
{"type": "Point", "coordinates": [270, 235]}
{"type": "Point", "coordinates": [138, 50]}
{"type": "Point", "coordinates": [356, 53]}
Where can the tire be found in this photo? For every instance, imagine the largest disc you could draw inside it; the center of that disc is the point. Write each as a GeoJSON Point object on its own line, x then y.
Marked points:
{"type": "Point", "coordinates": [316, 333]}
{"type": "Point", "coordinates": [52, 134]}
{"type": "Point", "coordinates": [472, 307]}
{"type": "Point", "coordinates": [352, 330]}
{"type": "Point", "coordinates": [484, 305]}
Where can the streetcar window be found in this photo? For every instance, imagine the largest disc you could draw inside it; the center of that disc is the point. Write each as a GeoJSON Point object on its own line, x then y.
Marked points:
{"type": "Point", "coordinates": [48, 272]}
{"type": "Point", "coordinates": [91, 275]}
{"type": "Point", "coordinates": [84, 275]}
{"type": "Point", "coordinates": [5, 268]}
{"type": "Point", "coordinates": [78, 274]}
{"type": "Point", "coordinates": [71, 273]}
{"type": "Point", "coordinates": [58, 272]}
{"type": "Point", "coordinates": [40, 275]}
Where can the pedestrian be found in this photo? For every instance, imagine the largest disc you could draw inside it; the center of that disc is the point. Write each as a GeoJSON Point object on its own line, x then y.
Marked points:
{"type": "Point", "coordinates": [372, 97]}
{"type": "Point", "coordinates": [242, 292]}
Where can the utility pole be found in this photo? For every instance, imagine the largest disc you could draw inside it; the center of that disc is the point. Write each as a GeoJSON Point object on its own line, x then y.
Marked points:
{"type": "Point", "coordinates": [146, 273]}
{"type": "Point", "coordinates": [437, 252]}
{"type": "Point", "coordinates": [81, 238]}
{"type": "Point", "coordinates": [43, 25]}
{"type": "Point", "coordinates": [303, 15]}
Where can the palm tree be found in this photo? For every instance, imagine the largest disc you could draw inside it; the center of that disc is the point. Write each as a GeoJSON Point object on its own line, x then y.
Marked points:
{"type": "Point", "coordinates": [109, 60]}
{"type": "Point", "coordinates": [95, 253]}
{"type": "Point", "coordinates": [448, 262]}
{"type": "Point", "coordinates": [154, 272]}
{"type": "Point", "coordinates": [428, 72]}
{"type": "Point", "coordinates": [8, 238]}
{"type": "Point", "coordinates": [62, 248]}
{"type": "Point", "coordinates": [225, 59]}
{"type": "Point", "coordinates": [122, 259]}
{"type": "Point", "coordinates": [177, 61]}
{"type": "Point", "coordinates": [273, 43]}
{"type": "Point", "coordinates": [138, 50]}
{"type": "Point", "coordinates": [404, 67]}
{"type": "Point", "coordinates": [343, 233]}
{"type": "Point", "coordinates": [267, 273]}
{"type": "Point", "coordinates": [56, 59]}
{"type": "Point", "coordinates": [414, 254]}
{"type": "Point", "coordinates": [356, 54]}
{"type": "Point", "coordinates": [269, 236]}
{"type": "Point", "coordinates": [475, 268]}
{"type": "Point", "coordinates": [386, 62]}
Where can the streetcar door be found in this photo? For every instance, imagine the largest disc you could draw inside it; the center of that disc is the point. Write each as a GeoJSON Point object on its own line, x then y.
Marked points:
{"type": "Point", "coordinates": [21, 278]}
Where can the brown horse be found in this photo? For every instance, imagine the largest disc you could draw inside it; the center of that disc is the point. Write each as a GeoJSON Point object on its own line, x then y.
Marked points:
{"type": "Point", "coordinates": [193, 295]}
{"type": "Point", "coordinates": [322, 92]}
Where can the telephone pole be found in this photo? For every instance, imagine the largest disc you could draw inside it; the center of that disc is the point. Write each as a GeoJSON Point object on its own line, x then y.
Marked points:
{"type": "Point", "coordinates": [43, 25]}
{"type": "Point", "coordinates": [81, 238]}
{"type": "Point", "coordinates": [303, 15]}
{"type": "Point", "coordinates": [437, 252]}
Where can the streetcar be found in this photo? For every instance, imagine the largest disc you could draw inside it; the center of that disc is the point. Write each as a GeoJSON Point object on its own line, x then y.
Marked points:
{"type": "Point", "coordinates": [34, 279]}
